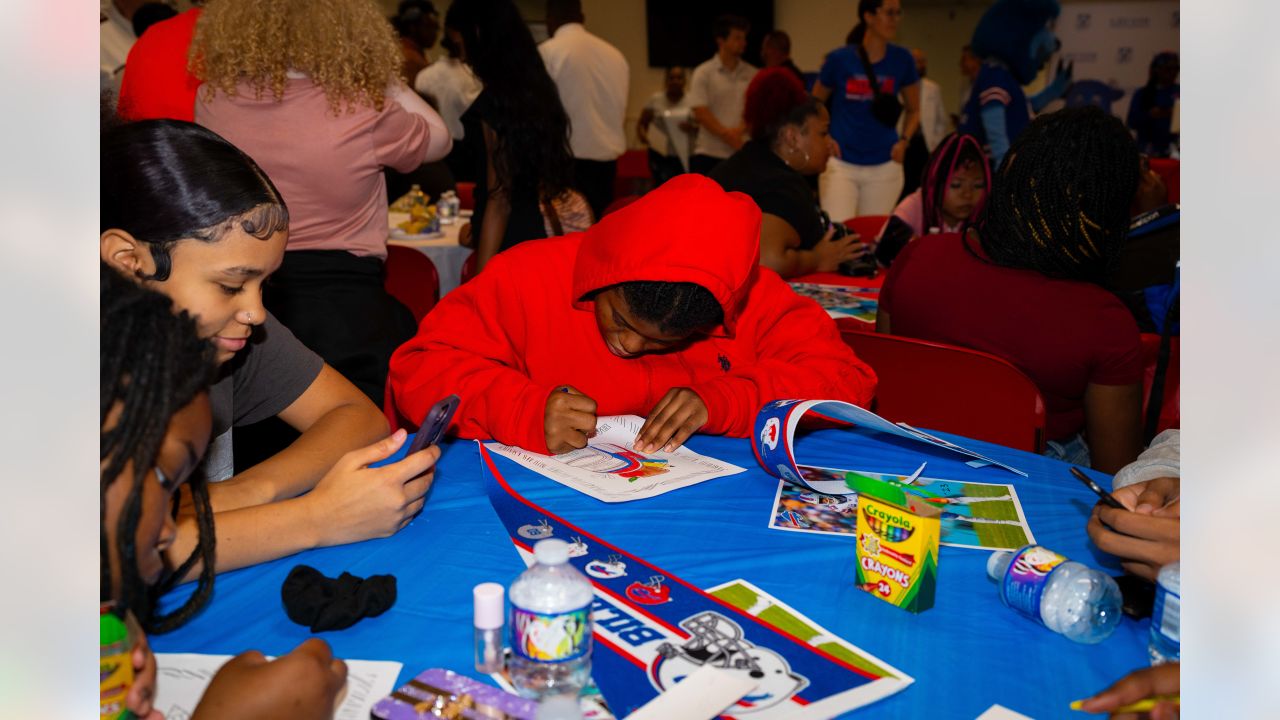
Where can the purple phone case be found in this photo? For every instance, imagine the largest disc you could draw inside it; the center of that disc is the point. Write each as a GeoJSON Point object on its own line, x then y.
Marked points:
{"type": "Point", "coordinates": [447, 406]}
{"type": "Point", "coordinates": [417, 699]}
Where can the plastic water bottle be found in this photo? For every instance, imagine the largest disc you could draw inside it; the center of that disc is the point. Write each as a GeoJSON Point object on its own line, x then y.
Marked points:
{"type": "Point", "coordinates": [550, 625]}
{"type": "Point", "coordinates": [1064, 596]}
{"type": "Point", "coordinates": [447, 207]}
{"type": "Point", "coordinates": [1164, 645]}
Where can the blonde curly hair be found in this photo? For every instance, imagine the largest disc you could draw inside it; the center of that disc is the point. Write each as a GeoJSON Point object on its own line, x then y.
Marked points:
{"type": "Point", "coordinates": [346, 47]}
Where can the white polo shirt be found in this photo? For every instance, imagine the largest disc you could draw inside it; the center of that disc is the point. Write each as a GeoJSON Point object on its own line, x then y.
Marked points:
{"type": "Point", "coordinates": [454, 87]}
{"type": "Point", "coordinates": [592, 78]}
{"type": "Point", "coordinates": [724, 93]}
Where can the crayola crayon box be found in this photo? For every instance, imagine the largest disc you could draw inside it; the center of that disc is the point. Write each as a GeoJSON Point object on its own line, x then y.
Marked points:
{"type": "Point", "coordinates": [897, 547]}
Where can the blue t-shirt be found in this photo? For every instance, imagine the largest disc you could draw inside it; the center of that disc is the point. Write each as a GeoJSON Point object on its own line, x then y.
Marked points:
{"type": "Point", "coordinates": [995, 85]}
{"type": "Point", "coordinates": [863, 139]}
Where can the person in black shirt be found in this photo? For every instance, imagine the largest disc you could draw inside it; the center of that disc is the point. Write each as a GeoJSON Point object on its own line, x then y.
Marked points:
{"type": "Point", "coordinates": [789, 139]}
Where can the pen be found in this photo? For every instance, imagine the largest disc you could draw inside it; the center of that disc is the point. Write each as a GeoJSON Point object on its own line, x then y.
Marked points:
{"type": "Point", "coordinates": [1107, 499]}
{"type": "Point", "coordinates": [1137, 707]}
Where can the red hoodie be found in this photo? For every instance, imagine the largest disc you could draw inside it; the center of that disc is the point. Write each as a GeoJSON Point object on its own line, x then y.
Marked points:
{"type": "Point", "coordinates": [508, 338]}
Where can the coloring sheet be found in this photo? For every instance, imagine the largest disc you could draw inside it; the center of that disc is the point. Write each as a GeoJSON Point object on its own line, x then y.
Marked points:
{"type": "Point", "coordinates": [840, 301]}
{"type": "Point", "coordinates": [609, 469]}
{"type": "Point", "coordinates": [985, 516]}
{"type": "Point", "coordinates": [182, 677]}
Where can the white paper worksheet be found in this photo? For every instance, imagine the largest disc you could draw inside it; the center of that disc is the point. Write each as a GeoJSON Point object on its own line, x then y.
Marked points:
{"type": "Point", "coordinates": [609, 469]}
{"type": "Point", "coordinates": [181, 679]}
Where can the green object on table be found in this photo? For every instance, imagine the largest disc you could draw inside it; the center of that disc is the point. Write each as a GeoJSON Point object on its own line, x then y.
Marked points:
{"type": "Point", "coordinates": [889, 492]}
{"type": "Point", "coordinates": [115, 666]}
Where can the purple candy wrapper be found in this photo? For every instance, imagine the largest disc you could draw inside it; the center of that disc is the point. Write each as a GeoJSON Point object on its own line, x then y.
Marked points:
{"type": "Point", "coordinates": [443, 693]}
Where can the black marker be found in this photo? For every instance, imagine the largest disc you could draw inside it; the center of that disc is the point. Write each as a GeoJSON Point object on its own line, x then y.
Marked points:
{"type": "Point", "coordinates": [1107, 498]}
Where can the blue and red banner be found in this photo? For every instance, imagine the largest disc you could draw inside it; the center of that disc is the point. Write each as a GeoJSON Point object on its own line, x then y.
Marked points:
{"type": "Point", "coordinates": [653, 629]}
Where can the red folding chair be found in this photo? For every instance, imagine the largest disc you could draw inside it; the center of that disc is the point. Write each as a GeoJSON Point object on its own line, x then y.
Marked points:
{"type": "Point", "coordinates": [953, 389]}
{"type": "Point", "coordinates": [412, 279]}
{"type": "Point", "coordinates": [468, 268]}
{"type": "Point", "coordinates": [867, 226]}
{"type": "Point", "coordinates": [633, 176]}
{"type": "Point", "coordinates": [466, 195]}
{"type": "Point", "coordinates": [1169, 170]}
{"type": "Point", "coordinates": [1170, 394]}
{"type": "Point", "coordinates": [619, 203]}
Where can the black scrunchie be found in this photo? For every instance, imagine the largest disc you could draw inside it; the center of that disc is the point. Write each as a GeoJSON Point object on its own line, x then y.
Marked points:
{"type": "Point", "coordinates": [323, 603]}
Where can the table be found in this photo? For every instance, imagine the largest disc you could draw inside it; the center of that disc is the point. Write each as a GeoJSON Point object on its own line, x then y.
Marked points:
{"type": "Point", "coordinates": [445, 252]}
{"type": "Point", "coordinates": [872, 284]}
{"type": "Point", "coordinates": [966, 653]}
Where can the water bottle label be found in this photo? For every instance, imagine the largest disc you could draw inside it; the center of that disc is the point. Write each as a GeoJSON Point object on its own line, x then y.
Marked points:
{"type": "Point", "coordinates": [551, 637]}
{"type": "Point", "coordinates": [1165, 616]}
{"type": "Point", "coordinates": [1026, 578]}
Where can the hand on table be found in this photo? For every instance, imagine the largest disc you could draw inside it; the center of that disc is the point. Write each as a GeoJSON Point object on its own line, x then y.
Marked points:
{"type": "Point", "coordinates": [569, 420]}
{"type": "Point", "coordinates": [679, 414]}
{"type": "Point", "coordinates": [355, 502]}
{"type": "Point", "coordinates": [1145, 538]}
{"type": "Point", "coordinates": [831, 252]}
{"type": "Point", "coordinates": [1139, 685]}
{"type": "Point", "coordinates": [301, 685]}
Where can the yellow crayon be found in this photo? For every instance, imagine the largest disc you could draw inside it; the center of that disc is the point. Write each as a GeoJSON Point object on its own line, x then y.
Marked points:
{"type": "Point", "coordinates": [1140, 706]}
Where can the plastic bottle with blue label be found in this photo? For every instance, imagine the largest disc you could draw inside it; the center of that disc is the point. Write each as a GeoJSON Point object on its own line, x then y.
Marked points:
{"type": "Point", "coordinates": [1064, 596]}
{"type": "Point", "coordinates": [550, 625]}
{"type": "Point", "coordinates": [1165, 643]}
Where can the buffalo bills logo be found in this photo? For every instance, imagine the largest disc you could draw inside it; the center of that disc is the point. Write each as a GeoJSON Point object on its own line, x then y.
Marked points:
{"type": "Point", "coordinates": [717, 641]}
{"type": "Point", "coordinates": [769, 434]}
{"type": "Point", "coordinates": [609, 569]}
{"type": "Point", "coordinates": [649, 592]}
{"type": "Point", "coordinates": [542, 529]}
{"type": "Point", "coordinates": [577, 548]}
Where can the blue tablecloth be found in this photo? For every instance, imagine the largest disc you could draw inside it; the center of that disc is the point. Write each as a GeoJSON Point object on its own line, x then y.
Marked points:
{"type": "Point", "coordinates": [966, 653]}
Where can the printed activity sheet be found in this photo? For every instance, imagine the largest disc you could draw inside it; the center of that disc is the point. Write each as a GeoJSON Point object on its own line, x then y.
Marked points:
{"type": "Point", "coordinates": [986, 516]}
{"type": "Point", "coordinates": [609, 469]}
{"type": "Point", "coordinates": [181, 679]}
{"type": "Point", "coordinates": [840, 301]}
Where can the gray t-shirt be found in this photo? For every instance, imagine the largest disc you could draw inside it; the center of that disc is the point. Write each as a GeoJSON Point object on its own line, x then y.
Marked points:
{"type": "Point", "coordinates": [263, 379]}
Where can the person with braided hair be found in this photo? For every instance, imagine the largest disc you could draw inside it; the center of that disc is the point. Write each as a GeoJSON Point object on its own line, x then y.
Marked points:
{"type": "Point", "coordinates": [155, 423]}
{"type": "Point", "coordinates": [187, 214]}
{"type": "Point", "coordinates": [1026, 283]}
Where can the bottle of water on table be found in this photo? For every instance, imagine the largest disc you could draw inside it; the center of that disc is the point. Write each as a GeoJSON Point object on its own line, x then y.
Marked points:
{"type": "Point", "coordinates": [1064, 596]}
{"type": "Point", "coordinates": [550, 625]}
{"type": "Point", "coordinates": [1164, 645]}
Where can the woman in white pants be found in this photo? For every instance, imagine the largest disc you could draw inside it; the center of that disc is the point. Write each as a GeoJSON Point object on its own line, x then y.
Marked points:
{"type": "Point", "coordinates": [863, 79]}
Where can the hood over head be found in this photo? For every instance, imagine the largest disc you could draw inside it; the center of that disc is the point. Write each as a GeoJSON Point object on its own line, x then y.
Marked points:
{"type": "Point", "coordinates": [687, 230]}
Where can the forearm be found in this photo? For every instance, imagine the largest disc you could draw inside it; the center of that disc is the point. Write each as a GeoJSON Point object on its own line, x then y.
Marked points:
{"type": "Point", "coordinates": [791, 262]}
{"type": "Point", "coordinates": [250, 535]}
{"type": "Point", "coordinates": [497, 213]}
{"type": "Point", "coordinates": [297, 468]}
{"type": "Point", "coordinates": [708, 121]}
{"type": "Point", "coordinates": [439, 142]}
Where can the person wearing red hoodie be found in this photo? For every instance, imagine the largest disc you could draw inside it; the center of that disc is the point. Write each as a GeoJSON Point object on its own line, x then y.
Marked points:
{"type": "Point", "coordinates": [661, 310]}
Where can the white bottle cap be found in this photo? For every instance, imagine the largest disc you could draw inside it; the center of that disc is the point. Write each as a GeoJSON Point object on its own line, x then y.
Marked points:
{"type": "Point", "coordinates": [551, 551]}
{"type": "Point", "coordinates": [489, 612]}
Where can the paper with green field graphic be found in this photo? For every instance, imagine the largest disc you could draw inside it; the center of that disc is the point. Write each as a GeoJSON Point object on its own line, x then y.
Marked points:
{"type": "Point", "coordinates": [985, 516]}
{"type": "Point", "coordinates": [758, 603]}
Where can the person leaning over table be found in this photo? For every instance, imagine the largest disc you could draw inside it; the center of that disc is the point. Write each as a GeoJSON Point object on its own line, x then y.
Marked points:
{"type": "Point", "coordinates": [790, 140]}
{"type": "Point", "coordinates": [661, 310]}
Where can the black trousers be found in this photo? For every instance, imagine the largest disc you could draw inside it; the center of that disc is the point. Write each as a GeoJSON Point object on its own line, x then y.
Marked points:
{"type": "Point", "coordinates": [594, 179]}
{"type": "Point", "coordinates": [703, 164]}
{"type": "Point", "coordinates": [663, 167]}
{"type": "Point", "coordinates": [913, 162]}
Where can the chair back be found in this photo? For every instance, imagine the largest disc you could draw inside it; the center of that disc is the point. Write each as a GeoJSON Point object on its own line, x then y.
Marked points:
{"type": "Point", "coordinates": [468, 268]}
{"type": "Point", "coordinates": [953, 389]}
{"type": "Point", "coordinates": [867, 226]}
{"type": "Point", "coordinates": [412, 279]}
{"type": "Point", "coordinates": [466, 195]}
{"type": "Point", "coordinates": [619, 203]}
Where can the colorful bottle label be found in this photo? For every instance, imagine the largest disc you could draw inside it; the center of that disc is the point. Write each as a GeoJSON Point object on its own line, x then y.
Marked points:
{"type": "Point", "coordinates": [1026, 578]}
{"type": "Point", "coordinates": [1164, 617]}
{"type": "Point", "coordinates": [115, 669]}
{"type": "Point", "coordinates": [551, 637]}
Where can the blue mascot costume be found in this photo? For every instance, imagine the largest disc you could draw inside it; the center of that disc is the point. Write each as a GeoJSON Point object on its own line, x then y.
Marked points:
{"type": "Point", "coordinates": [1014, 41]}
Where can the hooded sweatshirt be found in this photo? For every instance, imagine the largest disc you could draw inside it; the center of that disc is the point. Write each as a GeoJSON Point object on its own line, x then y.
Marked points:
{"type": "Point", "coordinates": [526, 326]}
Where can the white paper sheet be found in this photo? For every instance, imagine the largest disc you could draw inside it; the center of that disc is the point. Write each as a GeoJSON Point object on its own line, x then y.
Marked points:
{"type": "Point", "coordinates": [181, 679]}
{"type": "Point", "coordinates": [1000, 712]}
{"type": "Point", "coordinates": [609, 469]}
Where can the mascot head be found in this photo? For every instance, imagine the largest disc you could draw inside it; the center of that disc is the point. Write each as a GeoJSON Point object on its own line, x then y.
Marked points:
{"type": "Point", "coordinates": [1016, 32]}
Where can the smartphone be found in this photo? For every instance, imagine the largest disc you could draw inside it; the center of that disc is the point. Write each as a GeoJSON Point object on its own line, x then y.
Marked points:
{"type": "Point", "coordinates": [1107, 498]}
{"type": "Point", "coordinates": [434, 424]}
{"type": "Point", "coordinates": [893, 239]}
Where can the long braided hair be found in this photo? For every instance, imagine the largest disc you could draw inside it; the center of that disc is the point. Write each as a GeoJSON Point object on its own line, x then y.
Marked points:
{"type": "Point", "coordinates": [1061, 199]}
{"type": "Point", "coordinates": [152, 365]}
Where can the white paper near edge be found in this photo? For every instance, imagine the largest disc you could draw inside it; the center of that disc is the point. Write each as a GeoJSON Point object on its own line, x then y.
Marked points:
{"type": "Point", "coordinates": [181, 679]}
{"type": "Point", "coordinates": [703, 695]}
{"type": "Point", "coordinates": [608, 469]}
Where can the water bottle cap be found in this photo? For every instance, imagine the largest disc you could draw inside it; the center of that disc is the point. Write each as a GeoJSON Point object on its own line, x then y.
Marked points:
{"type": "Point", "coordinates": [551, 551]}
{"type": "Point", "coordinates": [489, 608]}
{"type": "Point", "coordinates": [994, 562]}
